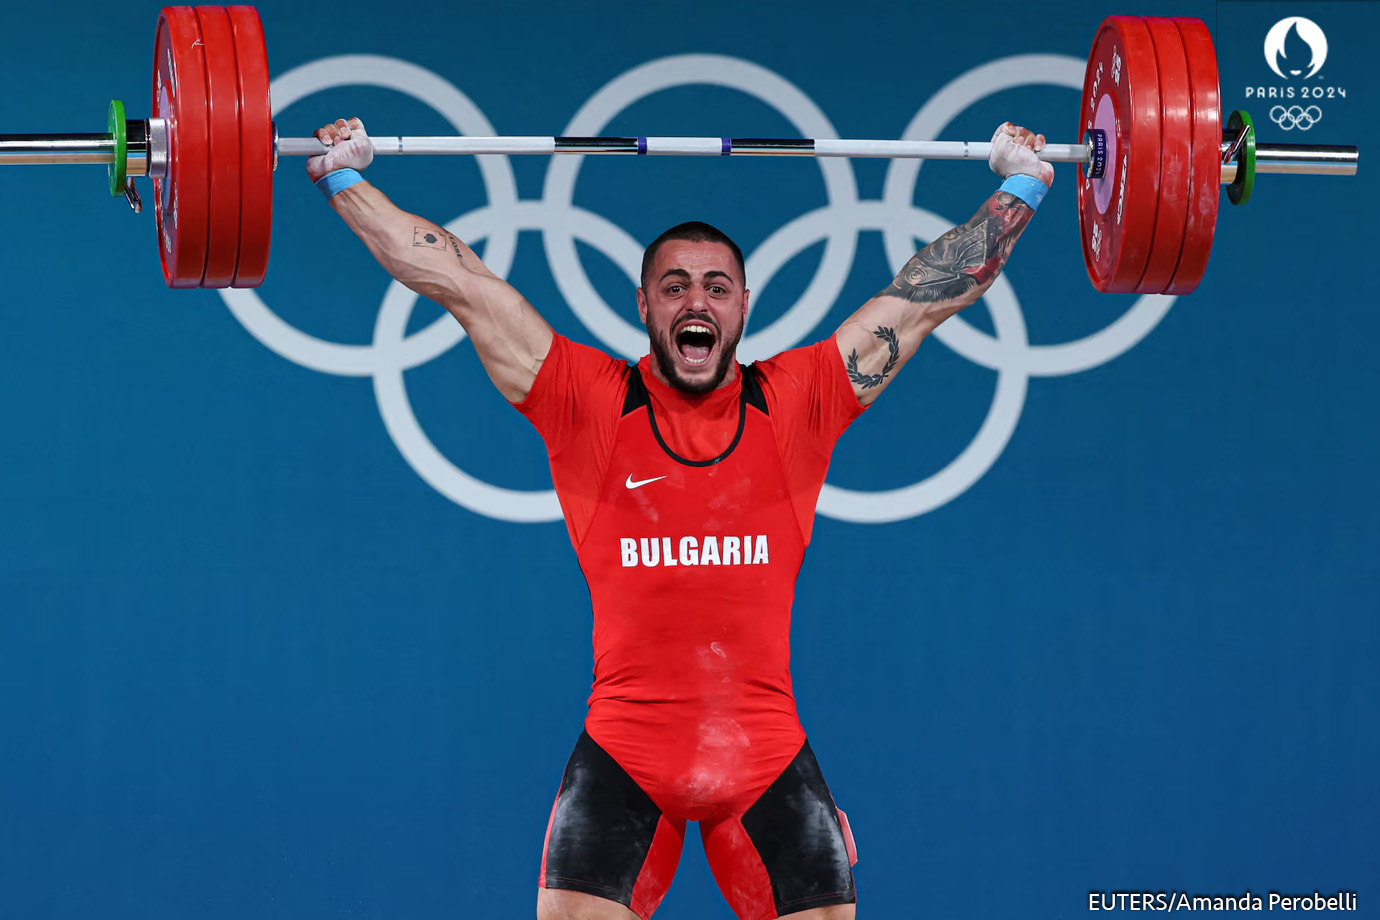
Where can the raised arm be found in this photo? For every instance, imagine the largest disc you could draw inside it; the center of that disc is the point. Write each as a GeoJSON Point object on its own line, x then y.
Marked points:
{"type": "Point", "coordinates": [944, 277]}
{"type": "Point", "coordinates": [509, 335]}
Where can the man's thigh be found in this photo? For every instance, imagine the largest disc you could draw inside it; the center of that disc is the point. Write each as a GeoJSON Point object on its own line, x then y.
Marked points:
{"type": "Point", "coordinates": [790, 853]}
{"type": "Point", "coordinates": [606, 839]}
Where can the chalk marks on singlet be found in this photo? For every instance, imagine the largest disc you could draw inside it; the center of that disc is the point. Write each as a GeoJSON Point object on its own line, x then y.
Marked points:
{"type": "Point", "coordinates": [903, 226]}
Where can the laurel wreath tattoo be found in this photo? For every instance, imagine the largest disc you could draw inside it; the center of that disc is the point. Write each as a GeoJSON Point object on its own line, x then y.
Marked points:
{"type": "Point", "coordinates": [868, 381]}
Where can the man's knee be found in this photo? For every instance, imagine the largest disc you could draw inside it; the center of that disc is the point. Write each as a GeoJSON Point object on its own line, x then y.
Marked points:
{"type": "Point", "coordinates": [834, 912]}
{"type": "Point", "coordinates": [560, 904]}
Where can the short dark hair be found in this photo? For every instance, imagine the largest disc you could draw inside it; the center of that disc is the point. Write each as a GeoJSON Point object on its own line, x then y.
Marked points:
{"type": "Point", "coordinates": [693, 231]}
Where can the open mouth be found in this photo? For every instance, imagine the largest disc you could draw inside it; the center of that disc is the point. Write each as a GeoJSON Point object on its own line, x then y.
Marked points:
{"type": "Point", "coordinates": [695, 342]}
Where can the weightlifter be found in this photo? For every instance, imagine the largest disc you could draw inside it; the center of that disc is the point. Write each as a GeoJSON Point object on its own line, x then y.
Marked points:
{"type": "Point", "coordinates": [688, 483]}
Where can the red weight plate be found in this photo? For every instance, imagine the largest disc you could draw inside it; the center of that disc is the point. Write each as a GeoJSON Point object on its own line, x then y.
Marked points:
{"type": "Point", "coordinates": [223, 120]}
{"type": "Point", "coordinates": [1121, 95]}
{"type": "Point", "coordinates": [1204, 186]}
{"type": "Point", "coordinates": [1176, 155]}
{"type": "Point", "coordinates": [179, 97]}
{"type": "Point", "coordinates": [256, 146]}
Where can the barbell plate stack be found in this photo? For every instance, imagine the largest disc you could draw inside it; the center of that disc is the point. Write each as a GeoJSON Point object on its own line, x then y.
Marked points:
{"type": "Point", "coordinates": [179, 97]}
{"type": "Point", "coordinates": [256, 146]}
{"type": "Point", "coordinates": [223, 121]}
{"type": "Point", "coordinates": [1176, 156]}
{"type": "Point", "coordinates": [1204, 186]}
{"type": "Point", "coordinates": [1121, 95]}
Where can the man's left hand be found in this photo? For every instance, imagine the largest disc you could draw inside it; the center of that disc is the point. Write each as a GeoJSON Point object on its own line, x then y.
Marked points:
{"type": "Point", "coordinates": [1014, 154]}
{"type": "Point", "coordinates": [347, 146]}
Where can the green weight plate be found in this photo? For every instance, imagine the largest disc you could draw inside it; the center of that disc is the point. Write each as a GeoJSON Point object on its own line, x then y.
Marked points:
{"type": "Point", "coordinates": [1240, 190]}
{"type": "Point", "coordinates": [115, 125]}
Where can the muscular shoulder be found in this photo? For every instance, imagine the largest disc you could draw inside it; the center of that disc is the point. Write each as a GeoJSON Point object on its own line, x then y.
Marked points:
{"type": "Point", "coordinates": [797, 374]}
{"type": "Point", "coordinates": [807, 392]}
{"type": "Point", "coordinates": [572, 366]}
{"type": "Point", "coordinates": [591, 362]}
{"type": "Point", "coordinates": [577, 389]}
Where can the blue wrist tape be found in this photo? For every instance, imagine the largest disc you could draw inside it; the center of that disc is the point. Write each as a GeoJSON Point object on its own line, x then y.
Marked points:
{"type": "Point", "coordinates": [1027, 188]}
{"type": "Point", "coordinates": [337, 181]}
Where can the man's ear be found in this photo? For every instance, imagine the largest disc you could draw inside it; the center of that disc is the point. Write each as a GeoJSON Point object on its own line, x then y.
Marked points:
{"type": "Point", "coordinates": [745, 306]}
{"type": "Point", "coordinates": [642, 306]}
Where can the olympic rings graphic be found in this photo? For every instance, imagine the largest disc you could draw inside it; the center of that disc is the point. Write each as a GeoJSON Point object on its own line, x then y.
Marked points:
{"type": "Point", "coordinates": [838, 223]}
{"type": "Point", "coordinates": [1296, 116]}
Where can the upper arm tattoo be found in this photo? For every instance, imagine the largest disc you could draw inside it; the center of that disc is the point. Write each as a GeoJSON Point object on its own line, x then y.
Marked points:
{"type": "Point", "coordinates": [868, 381]}
{"type": "Point", "coordinates": [965, 258]}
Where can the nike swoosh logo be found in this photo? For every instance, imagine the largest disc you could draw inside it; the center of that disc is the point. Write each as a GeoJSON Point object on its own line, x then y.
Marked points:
{"type": "Point", "coordinates": [641, 482]}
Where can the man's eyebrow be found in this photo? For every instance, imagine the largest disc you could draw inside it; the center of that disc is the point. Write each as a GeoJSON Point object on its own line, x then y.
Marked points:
{"type": "Point", "coordinates": [682, 273]}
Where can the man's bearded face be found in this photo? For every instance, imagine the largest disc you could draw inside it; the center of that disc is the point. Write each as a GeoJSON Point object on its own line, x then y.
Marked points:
{"type": "Point", "coordinates": [694, 304]}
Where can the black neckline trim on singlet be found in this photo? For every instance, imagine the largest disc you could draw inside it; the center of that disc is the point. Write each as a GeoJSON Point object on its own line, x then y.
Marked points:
{"type": "Point", "coordinates": [751, 394]}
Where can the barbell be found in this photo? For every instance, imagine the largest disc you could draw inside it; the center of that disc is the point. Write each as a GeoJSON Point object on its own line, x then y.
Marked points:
{"type": "Point", "coordinates": [1152, 148]}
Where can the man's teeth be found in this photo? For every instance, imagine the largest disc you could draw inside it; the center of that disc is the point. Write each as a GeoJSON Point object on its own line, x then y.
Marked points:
{"type": "Point", "coordinates": [698, 329]}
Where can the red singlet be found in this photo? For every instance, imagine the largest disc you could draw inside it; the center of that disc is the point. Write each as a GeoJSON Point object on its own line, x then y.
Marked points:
{"type": "Point", "coordinates": [690, 516]}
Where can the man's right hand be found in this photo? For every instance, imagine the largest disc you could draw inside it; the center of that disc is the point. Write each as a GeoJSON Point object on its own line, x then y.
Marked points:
{"type": "Point", "coordinates": [349, 147]}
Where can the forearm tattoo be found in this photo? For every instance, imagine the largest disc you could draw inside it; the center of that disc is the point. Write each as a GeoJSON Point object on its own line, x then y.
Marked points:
{"type": "Point", "coordinates": [429, 238]}
{"type": "Point", "coordinates": [868, 381]}
{"type": "Point", "coordinates": [967, 257]}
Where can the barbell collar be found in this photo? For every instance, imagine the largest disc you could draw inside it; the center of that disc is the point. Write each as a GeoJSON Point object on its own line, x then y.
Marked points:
{"type": "Point", "coordinates": [157, 149]}
{"type": "Point", "coordinates": [136, 149]}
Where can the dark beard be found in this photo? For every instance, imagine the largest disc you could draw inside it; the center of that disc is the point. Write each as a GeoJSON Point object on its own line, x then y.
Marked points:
{"type": "Point", "coordinates": [666, 362]}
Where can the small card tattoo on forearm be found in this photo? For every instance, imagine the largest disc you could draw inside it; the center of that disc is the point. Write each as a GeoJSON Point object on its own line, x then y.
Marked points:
{"type": "Point", "coordinates": [429, 238]}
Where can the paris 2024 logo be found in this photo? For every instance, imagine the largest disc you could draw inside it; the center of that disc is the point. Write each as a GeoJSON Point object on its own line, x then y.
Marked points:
{"type": "Point", "coordinates": [1296, 49]}
{"type": "Point", "coordinates": [1307, 32]}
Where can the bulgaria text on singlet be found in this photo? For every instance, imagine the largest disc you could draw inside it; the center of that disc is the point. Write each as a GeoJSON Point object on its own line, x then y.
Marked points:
{"type": "Point", "coordinates": [690, 516]}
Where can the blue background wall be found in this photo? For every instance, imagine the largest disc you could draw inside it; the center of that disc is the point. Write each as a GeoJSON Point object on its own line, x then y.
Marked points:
{"type": "Point", "coordinates": [252, 664]}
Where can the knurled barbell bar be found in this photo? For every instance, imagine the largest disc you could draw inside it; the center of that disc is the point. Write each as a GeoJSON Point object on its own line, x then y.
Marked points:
{"type": "Point", "coordinates": [1151, 144]}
